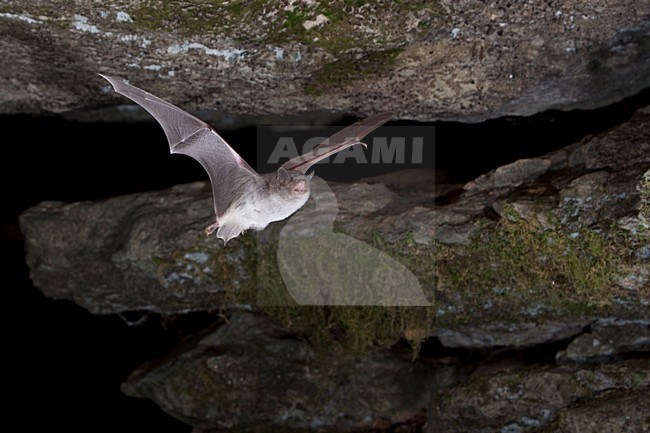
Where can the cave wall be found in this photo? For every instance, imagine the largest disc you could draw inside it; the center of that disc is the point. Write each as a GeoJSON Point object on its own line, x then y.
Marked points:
{"type": "Point", "coordinates": [424, 60]}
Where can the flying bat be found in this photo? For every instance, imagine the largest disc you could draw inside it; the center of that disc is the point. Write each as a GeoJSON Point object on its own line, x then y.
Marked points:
{"type": "Point", "coordinates": [243, 199]}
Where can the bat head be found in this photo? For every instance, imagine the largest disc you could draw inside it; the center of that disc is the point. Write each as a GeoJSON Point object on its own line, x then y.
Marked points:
{"type": "Point", "coordinates": [293, 184]}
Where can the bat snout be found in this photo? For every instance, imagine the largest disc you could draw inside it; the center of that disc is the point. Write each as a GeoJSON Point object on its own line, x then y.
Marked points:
{"type": "Point", "coordinates": [301, 188]}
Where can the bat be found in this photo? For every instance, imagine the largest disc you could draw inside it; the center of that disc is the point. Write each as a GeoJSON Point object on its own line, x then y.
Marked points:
{"type": "Point", "coordinates": [243, 199]}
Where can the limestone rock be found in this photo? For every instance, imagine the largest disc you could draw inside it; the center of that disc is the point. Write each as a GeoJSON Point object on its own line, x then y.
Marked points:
{"type": "Point", "coordinates": [534, 399]}
{"type": "Point", "coordinates": [148, 251]}
{"type": "Point", "coordinates": [424, 60]}
{"type": "Point", "coordinates": [540, 262]}
{"type": "Point", "coordinates": [143, 252]}
{"type": "Point", "coordinates": [514, 335]}
{"type": "Point", "coordinates": [251, 375]}
{"type": "Point", "coordinates": [624, 412]}
{"type": "Point", "coordinates": [609, 339]}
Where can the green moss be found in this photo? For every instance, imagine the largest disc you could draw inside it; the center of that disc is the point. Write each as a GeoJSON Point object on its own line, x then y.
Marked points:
{"type": "Point", "coordinates": [357, 3]}
{"type": "Point", "coordinates": [346, 70]}
{"type": "Point", "coordinates": [217, 17]}
{"type": "Point", "coordinates": [153, 17]}
{"type": "Point", "coordinates": [294, 21]}
{"type": "Point", "coordinates": [512, 268]}
{"type": "Point", "coordinates": [516, 267]}
{"type": "Point", "coordinates": [637, 380]}
{"type": "Point", "coordinates": [347, 329]}
{"type": "Point", "coordinates": [272, 23]}
{"type": "Point", "coordinates": [356, 51]}
{"type": "Point", "coordinates": [161, 261]}
{"type": "Point", "coordinates": [187, 18]}
{"type": "Point", "coordinates": [509, 269]}
{"type": "Point", "coordinates": [268, 281]}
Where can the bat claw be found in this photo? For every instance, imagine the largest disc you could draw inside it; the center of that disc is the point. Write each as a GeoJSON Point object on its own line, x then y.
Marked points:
{"type": "Point", "coordinates": [365, 146]}
{"type": "Point", "coordinates": [211, 228]}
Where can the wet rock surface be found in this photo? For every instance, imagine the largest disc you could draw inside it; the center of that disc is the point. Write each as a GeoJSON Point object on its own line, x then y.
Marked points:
{"type": "Point", "coordinates": [425, 60]}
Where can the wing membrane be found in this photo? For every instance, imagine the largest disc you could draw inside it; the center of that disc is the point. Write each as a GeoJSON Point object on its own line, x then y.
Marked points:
{"type": "Point", "coordinates": [341, 140]}
{"type": "Point", "coordinates": [191, 136]}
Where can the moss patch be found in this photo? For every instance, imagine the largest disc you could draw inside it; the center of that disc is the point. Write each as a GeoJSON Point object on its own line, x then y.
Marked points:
{"type": "Point", "coordinates": [186, 18]}
{"type": "Point", "coordinates": [512, 270]}
{"type": "Point", "coordinates": [362, 37]}
{"type": "Point", "coordinates": [348, 69]}
{"type": "Point", "coordinates": [345, 329]}
{"type": "Point", "coordinates": [517, 270]}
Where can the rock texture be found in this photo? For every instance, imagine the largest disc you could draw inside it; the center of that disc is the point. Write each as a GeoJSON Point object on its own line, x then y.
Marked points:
{"type": "Point", "coordinates": [116, 263]}
{"type": "Point", "coordinates": [620, 412]}
{"type": "Point", "coordinates": [546, 399]}
{"type": "Point", "coordinates": [425, 60]}
{"type": "Point", "coordinates": [251, 375]}
{"type": "Point", "coordinates": [514, 336]}
{"type": "Point", "coordinates": [607, 340]}
{"type": "Point", "coordinates": [148, 251]}
{"type": "Point", "coordinates": [545, 254]}
{"type": "Point", "coordinates": [532, 280]}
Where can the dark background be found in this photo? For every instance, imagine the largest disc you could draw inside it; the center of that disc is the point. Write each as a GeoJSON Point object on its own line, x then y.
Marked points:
{"type": "Point", "coordinates": [344, 166]}
{"type": "Point", "coordinates": [65, 365]}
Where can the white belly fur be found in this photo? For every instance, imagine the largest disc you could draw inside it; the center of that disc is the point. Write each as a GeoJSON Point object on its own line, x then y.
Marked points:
{"type": "Point", "coordinates": [257, 214]}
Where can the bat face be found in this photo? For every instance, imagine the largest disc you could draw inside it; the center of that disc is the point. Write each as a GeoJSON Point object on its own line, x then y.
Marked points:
{"type": "Point", "coordinates": [243, 199]}
{"type": "Point", "coordinates": [293, 185]}
{"type": "Point", "coordinates": [286, 191]}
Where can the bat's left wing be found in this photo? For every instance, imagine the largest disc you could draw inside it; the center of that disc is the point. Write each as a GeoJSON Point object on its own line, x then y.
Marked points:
{"type": "Point", "coordinates": [192, 136]}
{"type": "Point", "coordinates": [341, 140]}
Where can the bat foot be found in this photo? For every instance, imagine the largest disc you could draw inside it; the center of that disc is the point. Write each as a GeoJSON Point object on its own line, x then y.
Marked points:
{"type": "Point", "coordinates": [211, 228]}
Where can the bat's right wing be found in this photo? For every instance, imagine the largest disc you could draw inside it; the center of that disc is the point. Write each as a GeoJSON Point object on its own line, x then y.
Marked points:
{"type": "Point", "coordinates": [341, 140]}
{"type": "Point", "coordinates": [191, 136]}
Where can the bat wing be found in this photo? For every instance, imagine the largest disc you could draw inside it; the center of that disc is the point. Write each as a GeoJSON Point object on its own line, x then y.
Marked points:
{"type": "Point", "coordinates": [341, 140]}
{"type": "Point", "coordinates": [191, 136]}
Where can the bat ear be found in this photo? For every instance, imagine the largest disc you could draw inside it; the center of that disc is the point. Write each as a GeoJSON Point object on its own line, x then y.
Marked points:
{"type": "Point", "coordinates": [283, 176]}
{"type": "Point", "coordinates": [310, 175]}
